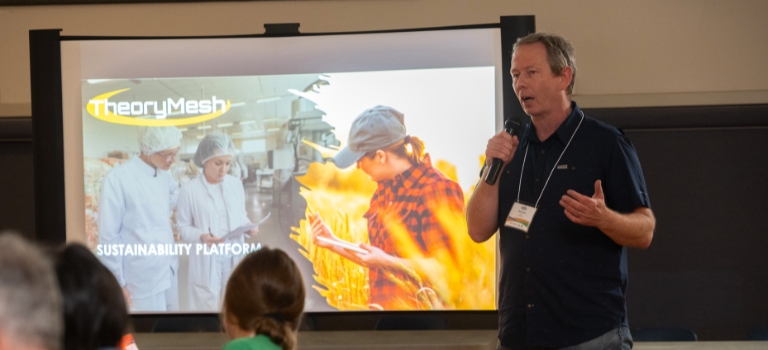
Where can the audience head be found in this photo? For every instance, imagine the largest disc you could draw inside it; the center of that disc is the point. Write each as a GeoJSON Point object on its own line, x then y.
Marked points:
{"type": "Point", "coordinates": [30, 303]}
{"type": "Point", "coordinates": [265, 295]}
{"type": "Point", "coordinates": [95, 314]}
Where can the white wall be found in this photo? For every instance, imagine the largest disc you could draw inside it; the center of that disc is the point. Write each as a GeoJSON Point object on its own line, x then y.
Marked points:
{"type": "Point", "coordinates": [629, 53]}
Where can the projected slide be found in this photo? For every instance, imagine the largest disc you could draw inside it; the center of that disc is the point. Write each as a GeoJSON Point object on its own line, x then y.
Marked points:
{"type": "Point", "coordinates": [249, 164]}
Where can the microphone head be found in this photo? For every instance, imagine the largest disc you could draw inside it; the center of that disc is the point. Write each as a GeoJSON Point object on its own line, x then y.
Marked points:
{"type": "Point", "coordinates": [513, 126]}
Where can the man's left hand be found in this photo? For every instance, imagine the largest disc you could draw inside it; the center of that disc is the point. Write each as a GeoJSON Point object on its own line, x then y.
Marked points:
{"type": "Point", "coordinates": [583, 210]}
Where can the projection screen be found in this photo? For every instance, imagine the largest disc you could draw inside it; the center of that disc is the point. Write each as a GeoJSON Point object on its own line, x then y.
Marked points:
{"type": "Point", "coordinates": [288, 105]}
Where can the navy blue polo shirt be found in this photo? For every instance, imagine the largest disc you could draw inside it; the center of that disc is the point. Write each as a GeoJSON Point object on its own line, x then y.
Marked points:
{"type": "Point", "coordinates": [562, 283]}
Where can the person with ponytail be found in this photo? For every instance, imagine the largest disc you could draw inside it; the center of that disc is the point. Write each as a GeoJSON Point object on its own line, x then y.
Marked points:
{"type": "Point", "coordinates": [263, 302]}
{"type": "Point", "coordinates": [409, 196]}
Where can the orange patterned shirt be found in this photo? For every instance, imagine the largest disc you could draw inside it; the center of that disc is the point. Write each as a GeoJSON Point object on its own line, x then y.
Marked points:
{"type": "Point", "coordinates": [401, 217]}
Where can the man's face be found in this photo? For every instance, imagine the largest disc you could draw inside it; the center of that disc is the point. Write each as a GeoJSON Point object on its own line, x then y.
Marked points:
{"type": "Point", "coordinates": [537, 88]}
{"type": "Point", "coordinates": [163, 160]}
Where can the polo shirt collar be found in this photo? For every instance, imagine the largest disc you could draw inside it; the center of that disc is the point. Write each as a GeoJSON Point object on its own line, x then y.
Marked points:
{"type": "Point", "coordinates": [565, 130]}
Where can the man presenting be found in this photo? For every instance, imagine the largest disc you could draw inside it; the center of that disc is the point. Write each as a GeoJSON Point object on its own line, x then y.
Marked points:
{"type": "Point", "coordinates": [570, 199]}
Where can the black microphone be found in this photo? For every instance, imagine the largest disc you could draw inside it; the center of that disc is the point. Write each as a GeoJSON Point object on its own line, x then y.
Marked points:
{"type": "Point", "coordinates": [512, 126]}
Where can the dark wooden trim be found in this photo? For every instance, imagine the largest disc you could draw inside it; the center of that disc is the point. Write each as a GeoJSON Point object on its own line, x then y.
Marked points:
{"type": "Point", "coordinates": [91, 2]}
{"type": "Point", "coordinates": [239, 36]}
{"type": "Point", "coordinates": [512, 28]}
{"type": "Point", "coordinates": [345, 320]}
{"type": "Point", "coordinates": [15, 129]}
{"type": "Point", "coordinates": [48, 135]}
{"type": "Point", "coordinates": [683, 117]}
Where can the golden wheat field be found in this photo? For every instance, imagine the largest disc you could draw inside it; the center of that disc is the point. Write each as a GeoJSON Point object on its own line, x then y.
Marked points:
{"type": "Point", "coordinates": [464, 278]}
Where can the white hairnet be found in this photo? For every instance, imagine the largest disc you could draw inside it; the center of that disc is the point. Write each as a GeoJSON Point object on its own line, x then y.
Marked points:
{"type": "Point", "coordinates": [158, 138]}
{"type": "Point", "coordinates": [213, 145]}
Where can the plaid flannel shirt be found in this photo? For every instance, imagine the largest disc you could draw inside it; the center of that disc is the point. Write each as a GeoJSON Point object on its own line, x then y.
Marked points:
{"type": "Point", "coordinates": [407, 200]}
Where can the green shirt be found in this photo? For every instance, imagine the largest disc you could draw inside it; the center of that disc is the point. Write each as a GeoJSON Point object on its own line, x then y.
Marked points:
{"type": "Point", "coordinates": [259, 342]}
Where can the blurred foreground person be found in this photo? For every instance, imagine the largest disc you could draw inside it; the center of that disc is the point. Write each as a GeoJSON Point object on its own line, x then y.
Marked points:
{"type": "Point", "coordinates": [30, 303]}
{"type": "Point", "coordinates": [263, 302]}
{"type": "Point", "coordinates": [95, 314]}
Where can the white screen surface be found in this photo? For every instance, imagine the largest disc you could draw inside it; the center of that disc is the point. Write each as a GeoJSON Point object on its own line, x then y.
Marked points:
{"type": "Point", "coordinates": [447, 83]}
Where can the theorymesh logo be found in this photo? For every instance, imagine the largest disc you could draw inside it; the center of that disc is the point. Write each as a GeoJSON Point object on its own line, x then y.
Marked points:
{"type": "Point", "coordinates": [155, 113]}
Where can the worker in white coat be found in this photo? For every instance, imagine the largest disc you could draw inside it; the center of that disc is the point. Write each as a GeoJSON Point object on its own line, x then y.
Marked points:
{"type": "Point", "coordinates": [238, 168]}
{"type": "Point", "coordinates": [135, 206]}
{"type": "Point", "coordinates": [210, 206]}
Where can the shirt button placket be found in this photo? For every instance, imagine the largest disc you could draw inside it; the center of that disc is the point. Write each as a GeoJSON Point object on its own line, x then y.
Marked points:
{"type": "Point", "coordinates": [528, 279]}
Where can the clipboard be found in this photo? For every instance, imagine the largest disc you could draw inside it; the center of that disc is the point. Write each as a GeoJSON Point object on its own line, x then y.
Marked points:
{"type": "Point", "coordinates": [245, 228]}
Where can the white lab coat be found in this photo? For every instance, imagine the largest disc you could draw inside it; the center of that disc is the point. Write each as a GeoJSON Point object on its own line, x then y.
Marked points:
{"type": "Point", "coordinates": [196, 215]}
{"type": "Point", "coordinates": [238, 167]}
{"type": "Point", "coordinates": [135, 207]}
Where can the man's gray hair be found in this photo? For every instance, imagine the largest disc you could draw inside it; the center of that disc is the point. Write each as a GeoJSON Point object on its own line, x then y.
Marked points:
{"type": "Point", "coordinates": [31, 310]}
{"type": "Point", "coordinates": [559, 53]}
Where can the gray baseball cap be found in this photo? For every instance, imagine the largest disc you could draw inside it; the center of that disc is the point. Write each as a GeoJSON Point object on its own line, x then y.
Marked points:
{"type": "Point", "coordinates": [374, 129]}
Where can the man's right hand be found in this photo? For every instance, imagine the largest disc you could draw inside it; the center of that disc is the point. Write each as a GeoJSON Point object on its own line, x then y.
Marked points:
{"type": "Point", "coordinates": [482, 209]}
{"type": "Point", "coordinates": [502, 146]}
{"type": "Point", "coordinates": [127, 296]}
{"type": "Point", "coordinates": [210, 239]}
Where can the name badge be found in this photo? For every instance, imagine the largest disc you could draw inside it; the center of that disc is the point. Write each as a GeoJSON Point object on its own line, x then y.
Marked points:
{"type": "Point", "coordinates": [520, 217]}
